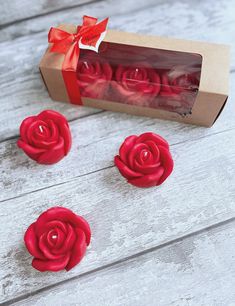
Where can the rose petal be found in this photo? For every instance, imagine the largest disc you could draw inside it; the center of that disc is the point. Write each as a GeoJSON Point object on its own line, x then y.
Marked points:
{"type": "Point", "coordinates": [64, 215]}
{"type": "Point", "coordinates": [65, 133]}
{"type": "Point", "coordinates": [146, 169]}
{"type": "Point", "coordinates": [154, 149]}
{"type": "Point", "coordinates": [167, 163]}
{"type": "Point", "coordinates": [107, 71]}
{"type": "Point", "coordinates": [126, 146]}
{"type": "Point", "coordinates": [37, 134]}
{"type": "Point", "coordinates": [137, 148]}
{"type": "Point", "coordinates": [78, 250]}
{"type": "Point", "coordinates": [60, 238]}
{"type": "Point", "coordinates": [124, 170]}
{"type": "Point", "coordinates": [166, 86]}
{"type": "Point", "coordinates": [134, 82]}
{"type": "Point", "coordinates": [142, 159]}
{"type": "Point", "coordinates": [24, 127]}
{"type": "Point", "coordinates": [32, 152]}
{"type": "Point", "coordinates": [96, 89]}
{"type": "Point", "coordinates": [51, 225]}
{"type": "Point", "coordinates": [154, 137]}
{"type": "Point", "coordinates": [53, 155]}
{"type": "Point", "coordinates": [43, 144]}
{"type": "Point", "coordinates": [97, 68]}
{"type": "Point", "coordinates": [31, 242]}
{"type": "Point", "coordinates": [46, 250]}
{"type": "Point", "coordinates": [51, 265]}
{"type": "Point", "coordinates": [32, 128]}
{"type": "Point", "coordinates": [52, 115]}
{"type": "Point", "coordinates": [118, 73]}
{"type": "Point", "coordinates": [68, 242]}
{"type": "Point", "coordinates": [156, 82]}
{"type": "Point", "coordinates": [148, 180]}
{"type": "Point", "coordinates": [122, 92]}
{"type": "Point", "coordinates": [93, 82]}
{"type": "Point", "coordinates": [54, 131]}
{"type": "Point", "coordinates": [61, 123]}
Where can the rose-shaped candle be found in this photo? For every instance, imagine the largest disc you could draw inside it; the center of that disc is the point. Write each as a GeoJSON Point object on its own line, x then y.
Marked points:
{"type": "Point", "coordinates": [93, 78]}
{"type": "Point", "coordinates": [145, 160]}
{"type": "Point", "coordinates": [173, 84]}
{"type": "Point", "coordinates": [136, 85]}
{"type": "Point", "coordinates": [58, 239]}
{"type": "Point", "coordinates": [178, 89]}
{"type": "Point", "coordinates": [45, 138]}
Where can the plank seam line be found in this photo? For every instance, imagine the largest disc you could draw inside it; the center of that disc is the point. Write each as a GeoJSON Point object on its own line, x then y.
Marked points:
{"type": "Point", "coordinates": [56, 185]}
{"type": "Point", "coordinates": [123, 260]}
{"type": "Point", "coordinates": [7, 24]}
{"type": "Point", "coordinates": [202, 137]}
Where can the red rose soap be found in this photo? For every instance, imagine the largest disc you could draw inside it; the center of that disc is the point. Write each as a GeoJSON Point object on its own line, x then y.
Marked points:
{"type": "Point", "coordinates": [45, 138]}
{"type": "Point", "coordinates": [145, 160]}
{"type": "Point", "coordinates": [58, 239]}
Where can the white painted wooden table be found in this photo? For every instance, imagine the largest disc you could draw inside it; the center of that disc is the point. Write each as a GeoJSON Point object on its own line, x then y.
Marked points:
{"type": "Point", "coordinates": [173, 245]}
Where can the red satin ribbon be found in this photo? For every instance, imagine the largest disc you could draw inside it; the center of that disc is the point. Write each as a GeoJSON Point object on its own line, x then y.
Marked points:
{"type": "Point", "coordinates": [68, 43]}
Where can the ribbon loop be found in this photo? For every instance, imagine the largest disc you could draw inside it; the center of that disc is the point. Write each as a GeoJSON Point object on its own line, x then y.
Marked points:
{"type": "Point", "coordinates": [89, 34]}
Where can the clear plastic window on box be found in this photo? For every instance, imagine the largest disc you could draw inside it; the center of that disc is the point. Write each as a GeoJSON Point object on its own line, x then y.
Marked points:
{"type": "Point", "coordinates": [147, 77]}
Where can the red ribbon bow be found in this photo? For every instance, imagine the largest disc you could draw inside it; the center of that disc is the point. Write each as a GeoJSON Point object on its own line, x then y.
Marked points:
{"type": "Point", "coordinates": [88, 36]}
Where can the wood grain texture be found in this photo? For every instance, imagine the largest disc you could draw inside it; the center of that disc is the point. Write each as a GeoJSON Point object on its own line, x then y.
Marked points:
{"type": "Point", "coordinates": [98, 8]}
{"type": "Point", "coordinates": [125, 220]}
{"type": "Point", "coordinates": [19, 57]}
{"type": "Point", "coordinates": [199, 270]}
{"type": "Point", "coordinates": [183, 19]}
{"type": "Point", "coordinates": [15, 11]}
{"type": "Point", "coordinates": [103, 132]}
{"type": "Point", "coordinates": [145, 243]}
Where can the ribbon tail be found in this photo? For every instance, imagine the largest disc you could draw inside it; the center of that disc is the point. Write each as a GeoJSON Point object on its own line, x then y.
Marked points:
{"type": "Point", "coordinates": [71, 57]}
{"type": "Point", "coordinates": [60, 39]}
{"type": "Point", "coordinates": [69, 69]}
{"type": "Point", "coordinates": [89, 21]}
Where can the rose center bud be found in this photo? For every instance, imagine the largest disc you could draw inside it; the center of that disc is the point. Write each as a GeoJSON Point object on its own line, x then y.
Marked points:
{"type": "Point", "coordinates": [136, 73]}
{"type": "Point", "coordinates": [86, 65]}
{"type": "Point", "coordinates": [53, 237]}
{"type": "Point", "coordinates": [144, 155]}
{"type": "Point", "coordinates": [41, 129]}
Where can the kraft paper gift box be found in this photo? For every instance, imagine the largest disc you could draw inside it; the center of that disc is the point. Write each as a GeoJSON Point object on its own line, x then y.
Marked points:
{"type": "Point", "coordinates": [185, 81]}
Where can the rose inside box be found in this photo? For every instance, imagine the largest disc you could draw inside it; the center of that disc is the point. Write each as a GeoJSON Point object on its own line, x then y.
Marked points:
{"type": "Point", "coordinates": [143, 75]}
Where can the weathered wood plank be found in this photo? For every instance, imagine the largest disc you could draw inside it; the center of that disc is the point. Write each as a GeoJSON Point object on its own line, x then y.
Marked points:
{"type": "Point", "coordinates": [94, 137]}
{"type": "Point", "coordinates": [122, 226]}
{"type": "Point", "coordinates": [124, 220]}
{"type": "Point", "coordinates": [15, 11]}
{"type": "Point", "coordinates": [184, 19]}
{"type": "Point", "coordinates": [21, 90]}
{"type": "Point", "coordinates": [199, 270]}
